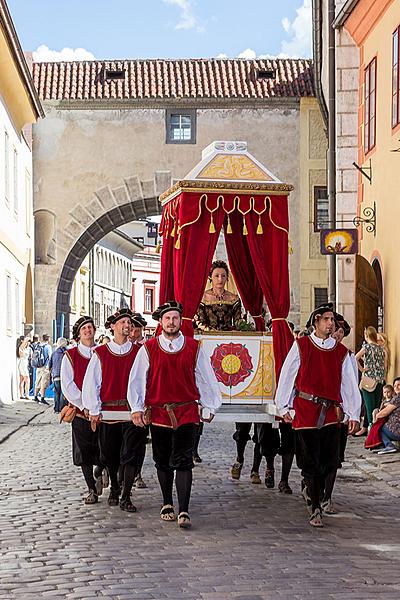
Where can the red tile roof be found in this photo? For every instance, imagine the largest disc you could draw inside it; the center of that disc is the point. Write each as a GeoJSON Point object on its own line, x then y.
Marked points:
{"type": "Point", "coordinates": [174, 79]}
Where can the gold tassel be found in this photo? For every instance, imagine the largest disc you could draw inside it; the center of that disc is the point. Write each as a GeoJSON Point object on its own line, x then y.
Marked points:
{"type": "Point", "coordinates": [211, 229]}
{"type": "Point", "coordinates": [178, 242]}
{"type": "Point", "coordinates": [158, 247]}
{"type": "Point", "coordinates": [245, 232]}
{"type": "Point", "coordinates": [260, 229]}
{"type": "Point", "coordinates": [229, 227]}
{"type": "Point", "coordinates": [173, 231]}
{"type": "Point", "coordinates": [290, 247]}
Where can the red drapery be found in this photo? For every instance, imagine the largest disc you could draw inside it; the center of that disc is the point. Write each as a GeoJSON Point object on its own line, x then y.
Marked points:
{"type": "Point", "coordinates": [256, 234]}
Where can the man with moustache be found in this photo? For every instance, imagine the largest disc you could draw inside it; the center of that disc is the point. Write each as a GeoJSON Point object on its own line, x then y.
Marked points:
{"type": "Point", "coordinates": [85, 450]}
{"type": "Point", "coordinates": [317, 382]}
{"type": "Point", "coordinates": [104, 388]}
{"type": "Point", "coordinates": [171, 377]}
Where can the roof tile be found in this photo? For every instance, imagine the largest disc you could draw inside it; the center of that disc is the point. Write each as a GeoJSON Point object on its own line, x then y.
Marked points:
{"type": "Point", "coordinates": [175, 79]}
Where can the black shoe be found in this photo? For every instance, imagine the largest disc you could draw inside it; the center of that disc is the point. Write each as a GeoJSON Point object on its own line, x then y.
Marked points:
{"type": "Point", "coordinates": [284, 487]}
{"type": "Point", "coordinates": [44, 401]}
{"type": "Point", "coordinates": [197, 459]}
{"type": "Point", "coordinates": [126, 504]}
{"type": "Point", "coordinates": [269, 478]}
{"type": "Point", "coordinates": [113, 498]}
{"type": "Point", "coordinates": [36, 399]}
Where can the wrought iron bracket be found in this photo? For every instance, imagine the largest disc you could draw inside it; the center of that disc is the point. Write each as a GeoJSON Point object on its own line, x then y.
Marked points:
{"type": "Point", "coordinates": [363, 170]}
{"type": "Point", "coordinates": [367, 218]}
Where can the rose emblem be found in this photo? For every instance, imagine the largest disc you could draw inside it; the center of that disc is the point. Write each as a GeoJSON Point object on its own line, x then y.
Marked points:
{"type": "Point", "coordinates": [232, 363]}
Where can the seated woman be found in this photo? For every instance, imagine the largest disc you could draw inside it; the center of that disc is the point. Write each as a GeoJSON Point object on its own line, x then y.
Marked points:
{"type": "Point", "coordinates": [391, 429]}
{"type": "Point", "coordinates": [219, 310]}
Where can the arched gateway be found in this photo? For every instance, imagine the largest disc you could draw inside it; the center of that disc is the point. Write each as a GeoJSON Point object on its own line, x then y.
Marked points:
{"type": "Point", "coordinates": [64, 250]}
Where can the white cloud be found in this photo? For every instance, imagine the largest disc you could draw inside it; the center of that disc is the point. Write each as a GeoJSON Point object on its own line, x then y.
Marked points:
{"type": "Point", "coordinates": [188, 19]}
{"type": "Point", "coordinates": [248, 53]}
{"type": "Point", "coordinates": [300, 33]}
{"type": "Point", "coordinates": [222, 56]}
{"type": "Point", "coordinates": [44, 54]}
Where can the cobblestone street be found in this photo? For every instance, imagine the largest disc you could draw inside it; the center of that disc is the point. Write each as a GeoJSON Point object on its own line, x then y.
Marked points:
{"type": "Point", "coordinates": [247, 542]}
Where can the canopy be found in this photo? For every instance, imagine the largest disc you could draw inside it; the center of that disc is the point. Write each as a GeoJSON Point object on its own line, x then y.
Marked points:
{"type": "Point", "coordinates": [229, 189]}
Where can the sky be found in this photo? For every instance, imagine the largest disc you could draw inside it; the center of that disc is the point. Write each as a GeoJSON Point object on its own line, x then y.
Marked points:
{"type": "Point", "coordinates": [131, 29]}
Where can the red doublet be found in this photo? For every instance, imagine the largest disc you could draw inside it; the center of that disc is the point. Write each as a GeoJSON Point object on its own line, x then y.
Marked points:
{"type": "Point", "coordinates": [320, 374]}
{"type": "Point", "coordinates": [115, 369]}
{"type": "Point", "coordinates": [79, 365]}
{"type": "Point", "coordinates": [171, 379]}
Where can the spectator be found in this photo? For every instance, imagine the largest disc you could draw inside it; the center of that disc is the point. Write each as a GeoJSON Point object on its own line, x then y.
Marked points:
{"type": "Point", "coordinates": [23, 354]}
{"type": "Point", "coordinates": [371, 362]}
{"type": "Point", "coordinates": [55, 369]}
{"type": "Point", "coordinates": [388, 393]}
{"type": "Point", "coordinates": [391, 429]}
{"type": "Point", "coordinates": [40, 362]}
{"type": "Point", "coordinates": [383, 341]}
{"type": "Point", "coordinates": [34, 343]}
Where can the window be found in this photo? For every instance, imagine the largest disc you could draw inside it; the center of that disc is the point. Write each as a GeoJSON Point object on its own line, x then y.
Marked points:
{"type": "Point", "coordinates": [133, 295]}
{"type": "Point", "coordinates": [181, 126]}
{"type": "Point", "coordinates": [83, 297]}
{"type": "Point", "coordinates": [17, 310]}
{"type": "Point", "coordinates": [28, 203]}
{"type": "Point", "coordinates": [8, 304]}
{"type": "Point", "coordinates": [15, 182]}
{"type": "Point", "coordinates": [149, 298]}
{"type": "Point", "coordinates": [321, 208]}
{"type": "Point", "coordinates": [320, 296]}
{"type": "Point", "coordinates": [97, 314]}
{"type": "Point", "coordinates": [7, 167]}
{"type": "Point", "coordinates": [369, 105]}
{"type": "Point", "coordinates": [395, 79]}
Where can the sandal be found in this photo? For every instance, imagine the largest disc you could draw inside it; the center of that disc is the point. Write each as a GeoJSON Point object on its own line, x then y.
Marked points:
{"type": "Point", "coordinates": [184, 520]}
{"type": "Point", "coordinates": [316, 518]}
{"type": "Point", "coordinates": [236, 470]}
{"type": "Point", "coordinates": [91, 498]}
{"type": "Point", "coordinates": [167, 513]}
{"type": "Point", "coordinates": [255, 477]}
{"type": "Point", "coordinates": [139, 483]}
{"type": "Point", "coordinates": [126, 504]}
{"type": "Point", "coordinates": [284, 487]}
{"type": "Point", "coordinates": [327, 507]}
{"type": "Point", "coordinates": [270, 478]}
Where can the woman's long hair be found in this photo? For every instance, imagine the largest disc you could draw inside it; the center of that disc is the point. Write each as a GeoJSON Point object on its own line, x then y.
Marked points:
{"type": "Point", "coordinates": [371, 335]}
{"type": "Point", "coordinates": [386, 348]}
{"type": "Point", "coordinates": [19, 342]}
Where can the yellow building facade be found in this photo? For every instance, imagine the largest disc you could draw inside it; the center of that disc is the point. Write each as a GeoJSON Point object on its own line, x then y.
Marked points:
{"type": "Point", "coordinates": [375, 27]}
{"type": "Point", "coordinates": [313, 208]}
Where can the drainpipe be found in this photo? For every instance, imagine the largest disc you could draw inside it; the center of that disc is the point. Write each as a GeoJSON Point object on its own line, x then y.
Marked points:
{"type": "Point", "coordinates": [317, 55]}
{"type": "Point", "coordinates": [332, 144]}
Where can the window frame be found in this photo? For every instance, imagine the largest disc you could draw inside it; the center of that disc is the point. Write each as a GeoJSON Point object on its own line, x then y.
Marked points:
{"type": "Point", "coordinates": [15, 182]}
{"type": "Point", "coordinates": [367, 106]}
{"type": "Point", "coordinates": [7, 167]}
{"type": "Point", "coordinates": [316, 189]}
{"type": "Point", "coordinates": [9, 307]}
{"type": "Point", "coordinates": [151, 287]}
{"type": "Point", "coordinates": [315, 298]}
{"type": "Point", "coordinates": [395, 69]}
{"type": "Point", "coordinates": [190, 112]}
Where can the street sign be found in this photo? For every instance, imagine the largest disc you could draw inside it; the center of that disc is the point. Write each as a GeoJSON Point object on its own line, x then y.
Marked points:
{"type": "Point", "coordinates": [339, 241]}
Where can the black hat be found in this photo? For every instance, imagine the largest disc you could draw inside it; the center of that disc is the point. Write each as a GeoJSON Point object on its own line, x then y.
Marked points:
{"type": "Point", "coordinates": [166, 307]}
{"type": "Point", "coordinates": [80, 323]}
{"type": "Point", "coordinates": [119, 314]}
{"type": "Point", "coordinates": [320, 310]}
{"type": "Point", "coordinates": [138, 320]}
{"type": "Point", "coordinates": [341, 322]}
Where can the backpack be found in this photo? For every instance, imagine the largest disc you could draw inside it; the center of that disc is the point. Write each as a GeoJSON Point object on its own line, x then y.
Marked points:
{"type": "Point", "coordinates": [38, 357]}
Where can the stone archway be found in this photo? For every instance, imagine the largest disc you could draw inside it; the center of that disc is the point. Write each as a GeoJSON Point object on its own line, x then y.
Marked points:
{"type": "Point", "coordinates": [63, 246]}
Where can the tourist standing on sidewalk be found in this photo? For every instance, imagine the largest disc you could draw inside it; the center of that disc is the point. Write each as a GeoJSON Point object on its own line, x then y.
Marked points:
{"type": "Point", "coordinates": [170, 376]}
{"type": "Point", "coordinates": [85, 450]}
{"type": "Point", "coordinates": [317, 383]}
{"type": "Point", "coordinates": [40, 362]}
{"type": "Point", "coordinates": [105, 388]}
{"type": "Point", "coordinates": [24, 353]}
{"type": "Point", "coordinates": [371, 362]}
{"type": "Point", "coordinates": [55, 370]}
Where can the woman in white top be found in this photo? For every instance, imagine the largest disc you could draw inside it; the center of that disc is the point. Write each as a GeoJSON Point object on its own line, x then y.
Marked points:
{"type": "Point", "coordinates": [24, 353]}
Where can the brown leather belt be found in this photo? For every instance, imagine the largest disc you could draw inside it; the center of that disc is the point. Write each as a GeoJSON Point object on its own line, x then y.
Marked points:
{"type": "Point", "coordinates": [111, 405]}
{"type": "Point", "coordinates": [170, 410]}
{"type": "Point", "coordinates": [325, 403]}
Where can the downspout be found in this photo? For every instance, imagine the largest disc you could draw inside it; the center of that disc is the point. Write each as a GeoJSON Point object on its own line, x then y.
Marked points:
{"type": "Point", "coordinates": [332, 144]}
{"type": "Point", "coordinates": [317, 54]}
